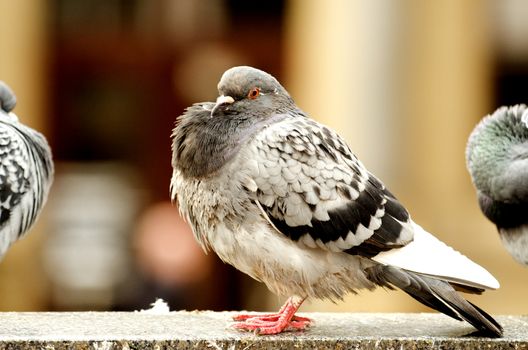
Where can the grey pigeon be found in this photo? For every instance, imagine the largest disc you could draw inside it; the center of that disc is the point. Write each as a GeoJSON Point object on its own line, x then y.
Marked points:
{"type": "Point", "coordinates": [283, 199]}
{"type": "Point", "coordinates": [497, 159]}
{"type": "Point", "coordinates": [26, 173]}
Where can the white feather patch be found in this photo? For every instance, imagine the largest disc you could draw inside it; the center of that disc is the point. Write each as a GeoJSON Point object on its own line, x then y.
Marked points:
{"type": "Point", "coordinates": [427, 255]}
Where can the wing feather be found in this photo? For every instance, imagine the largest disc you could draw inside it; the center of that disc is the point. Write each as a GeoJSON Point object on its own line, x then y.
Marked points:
{"type": "Point", "coordinates": [26, 172]}
{"type": "Point", "coordinates": [313, 189]}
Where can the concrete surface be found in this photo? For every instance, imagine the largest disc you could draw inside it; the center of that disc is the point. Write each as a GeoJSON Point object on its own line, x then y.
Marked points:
{"type": "Point", "coordinates": [211, 330]}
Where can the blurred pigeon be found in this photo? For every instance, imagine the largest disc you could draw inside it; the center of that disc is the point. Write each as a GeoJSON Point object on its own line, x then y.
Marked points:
{"type": "Point", "coordinates": [497, 159]}
{"type": "Point", "coordinates": [26, 172]}
{"type": "Point", "coordinates": [283, 199]}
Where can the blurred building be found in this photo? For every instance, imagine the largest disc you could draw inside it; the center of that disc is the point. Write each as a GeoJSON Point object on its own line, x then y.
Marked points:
{"type": "Point", "coordinates": [403, 82]}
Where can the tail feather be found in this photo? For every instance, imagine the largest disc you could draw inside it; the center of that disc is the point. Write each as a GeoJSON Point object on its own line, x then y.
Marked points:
{"type": "Point", "coordinates": [466, 289]}
{"type": "Point", "coordinates": [388, 277]}
{"type": "Point", "coordinates": [437, 294]}
{"type": "Point", "coordinates": [488, 317]}
{"type": "Point", "coordinates": [446, 263]}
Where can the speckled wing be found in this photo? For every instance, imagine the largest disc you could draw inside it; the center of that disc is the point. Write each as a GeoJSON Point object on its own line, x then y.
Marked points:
{"type": "Point", "coordinates": [25, 178]}
{"type": "Point", "coordinates": [14, 178]}
{"type": "Point", "coordinates": [14, 181]}
{"type": "Point", "coordinates": [312, 188]}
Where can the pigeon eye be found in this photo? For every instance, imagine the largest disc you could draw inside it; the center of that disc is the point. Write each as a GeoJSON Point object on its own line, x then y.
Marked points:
{"type": "Point", "coordinates": [253, 93]}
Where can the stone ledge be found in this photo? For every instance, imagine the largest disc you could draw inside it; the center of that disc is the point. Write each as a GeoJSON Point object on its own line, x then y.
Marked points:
{"type": "Point", "coordinates": [210, 330]}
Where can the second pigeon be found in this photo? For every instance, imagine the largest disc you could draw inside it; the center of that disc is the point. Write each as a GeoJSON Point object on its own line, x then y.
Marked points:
{"type": "Point", "coordinates": [497, 160]}
{"type": "Point", "coordinates": [26, 173]}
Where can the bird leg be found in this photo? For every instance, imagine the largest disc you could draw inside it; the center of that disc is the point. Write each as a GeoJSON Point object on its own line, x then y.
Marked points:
{"type": "Point", "coordinates": [284, 320]}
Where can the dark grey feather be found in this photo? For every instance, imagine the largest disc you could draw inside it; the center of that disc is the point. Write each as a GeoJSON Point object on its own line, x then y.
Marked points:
{"type": "Point", "coordinates": [503, 214]}
{"type": "Point", "coordinates": [437, 294]}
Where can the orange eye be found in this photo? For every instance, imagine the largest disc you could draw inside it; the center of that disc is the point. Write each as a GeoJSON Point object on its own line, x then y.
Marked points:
{"type": "Point", "coordinates": [253, 93]}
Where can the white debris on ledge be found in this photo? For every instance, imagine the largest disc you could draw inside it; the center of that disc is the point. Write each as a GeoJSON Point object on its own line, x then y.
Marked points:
{"type": "Point", "coordinates": [159, 307]}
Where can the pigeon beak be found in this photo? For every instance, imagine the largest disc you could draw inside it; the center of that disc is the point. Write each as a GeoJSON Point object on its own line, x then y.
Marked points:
{"type": "Point", "coordinates": [220, 101]}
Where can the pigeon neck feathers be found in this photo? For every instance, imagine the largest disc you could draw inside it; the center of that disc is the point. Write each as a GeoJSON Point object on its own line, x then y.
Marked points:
{"type": "Point", "coordinates": [503, 214]}
{"type": "Point", "coordinates": [202, 144]}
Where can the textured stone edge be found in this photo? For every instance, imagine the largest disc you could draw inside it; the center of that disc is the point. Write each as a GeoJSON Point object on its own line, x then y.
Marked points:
{"type": "Point", "coordinates": [259, 343]}
{"type": "Point", "coordinates": [211, 330]}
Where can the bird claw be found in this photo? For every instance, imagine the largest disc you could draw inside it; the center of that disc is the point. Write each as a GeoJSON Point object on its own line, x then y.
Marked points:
{"type": "Point", "coordinates": [270, 323]}
{"type": "Point", "coordinates": [243, 317]}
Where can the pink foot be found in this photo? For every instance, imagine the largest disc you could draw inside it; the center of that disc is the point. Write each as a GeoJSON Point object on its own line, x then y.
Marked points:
{"type": "Point", "coordinates": [267, 317]}
{"type": "Point", "coordinates": [284, 320]}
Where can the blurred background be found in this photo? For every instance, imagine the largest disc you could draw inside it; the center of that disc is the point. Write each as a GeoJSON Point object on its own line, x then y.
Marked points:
{"type": "Point", "coordinates": [404, 82]}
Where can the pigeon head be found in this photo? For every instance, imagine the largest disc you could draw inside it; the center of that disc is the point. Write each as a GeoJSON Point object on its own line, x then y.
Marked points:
{"type": "Point", "coordinates": [497, 154]}
{"type": "Point", "coordinates": [208, 135]}
{"type": "Point", "coordinates": [249, 90]}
